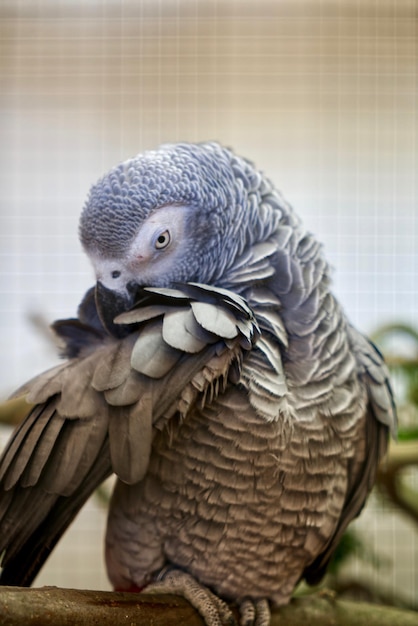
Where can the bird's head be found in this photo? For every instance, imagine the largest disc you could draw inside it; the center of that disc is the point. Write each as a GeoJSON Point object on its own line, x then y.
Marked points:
{"type": "Point", "coordinates": [176, 214]}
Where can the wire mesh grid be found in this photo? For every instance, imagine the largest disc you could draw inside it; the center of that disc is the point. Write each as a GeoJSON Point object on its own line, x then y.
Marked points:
{"type": "Point", "coordinates": [321, 95]}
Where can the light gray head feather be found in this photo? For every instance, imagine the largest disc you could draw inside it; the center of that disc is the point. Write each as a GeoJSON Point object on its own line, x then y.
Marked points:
{"type": "Point", "coordinates": [230, 197]}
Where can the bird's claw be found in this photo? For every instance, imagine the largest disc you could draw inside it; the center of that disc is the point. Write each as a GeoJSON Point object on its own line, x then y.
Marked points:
{"type": "Point", "coordinates": [214, 611]}
{"type": "Point", "coordinates": [255, 612]}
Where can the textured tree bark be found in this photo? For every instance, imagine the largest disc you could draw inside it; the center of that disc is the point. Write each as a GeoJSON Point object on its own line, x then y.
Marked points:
{"type": "Point", "coordinates": [49, 606]}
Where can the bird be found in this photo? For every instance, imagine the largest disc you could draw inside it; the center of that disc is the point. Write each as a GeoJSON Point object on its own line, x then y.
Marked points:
{"type": "Point", "coordinates": [213, 371]}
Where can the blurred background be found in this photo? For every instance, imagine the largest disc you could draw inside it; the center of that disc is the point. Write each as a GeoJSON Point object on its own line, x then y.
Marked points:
{"type": "Point", "coordinates": [322, 95]}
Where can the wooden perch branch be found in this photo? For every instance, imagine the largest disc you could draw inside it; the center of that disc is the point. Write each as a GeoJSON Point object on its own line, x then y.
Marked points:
{"type": "Point", "coordinates": [49, 606]}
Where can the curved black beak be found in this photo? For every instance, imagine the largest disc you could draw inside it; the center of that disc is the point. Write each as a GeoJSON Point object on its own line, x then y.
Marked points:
{"type": "Point", "coordinates": [109, 305]}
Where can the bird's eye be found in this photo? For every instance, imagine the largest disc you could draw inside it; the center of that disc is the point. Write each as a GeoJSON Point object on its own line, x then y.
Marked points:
{"type": "Point", "coordinates": [163, 240]}
{"type": "Point", "coordinates": [115, 274]}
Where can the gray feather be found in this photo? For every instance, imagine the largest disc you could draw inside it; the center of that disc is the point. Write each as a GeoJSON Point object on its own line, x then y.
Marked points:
{"type": "Point", "coordinates": [181, 331]}
{"type": "Point", "coordinates": [130, 435]}
{"type": "Point", "coordinates": [112, 370]}
{"type": "Point", "coordinates": [151, 355]}
{"type": "Point", "coordinates": [215, 320]}
{"type": "Point", "coordinates": [31, 456]}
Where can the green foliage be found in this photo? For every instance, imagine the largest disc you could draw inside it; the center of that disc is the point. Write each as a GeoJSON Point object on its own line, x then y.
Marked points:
{"type": "Point", "coordinates": [399, 343]}
{"type": "Point", "coordinates": [352, 544]}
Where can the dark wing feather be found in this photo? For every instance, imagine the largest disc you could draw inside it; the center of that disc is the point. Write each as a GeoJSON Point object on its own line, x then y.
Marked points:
{"type": "Point", "coordinates": [28, 551]}
{"type": "Point", "coordinates": [96, 414]}
{"type": "Point", "coordinates": [380, 420]}
{"type": "Point", "coordinates": [50, 469]}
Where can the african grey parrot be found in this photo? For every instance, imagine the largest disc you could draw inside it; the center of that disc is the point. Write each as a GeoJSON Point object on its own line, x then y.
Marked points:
{"type": "Point", "coordinates": [213, 371]}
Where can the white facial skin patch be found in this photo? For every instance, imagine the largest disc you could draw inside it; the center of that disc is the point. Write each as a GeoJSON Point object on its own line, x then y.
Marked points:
{"type": "Point", "coordinates": [152, 254]}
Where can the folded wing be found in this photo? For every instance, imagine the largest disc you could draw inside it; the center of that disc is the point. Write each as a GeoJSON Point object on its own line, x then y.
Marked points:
{"type": "Point", "coordinates": [380, 420]}
{"type": "Point", "coordinates": [96, 413]}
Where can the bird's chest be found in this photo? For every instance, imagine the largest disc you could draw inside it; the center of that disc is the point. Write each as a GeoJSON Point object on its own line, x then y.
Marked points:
{"type": "Point", "coordinates": [221, 457]}
{"type": "Point", "coordinates": [213, 484]}
{"type": "Point", "coordinates": [228, 494]}
{"type": "Point", "coordinates": [226, 475]}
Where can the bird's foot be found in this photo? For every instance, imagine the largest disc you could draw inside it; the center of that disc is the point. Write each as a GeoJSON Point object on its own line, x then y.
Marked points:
{"type": "Point", "coordinates": [214, 611]}
{"type": "Point", "coordinates": [255, 612]}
